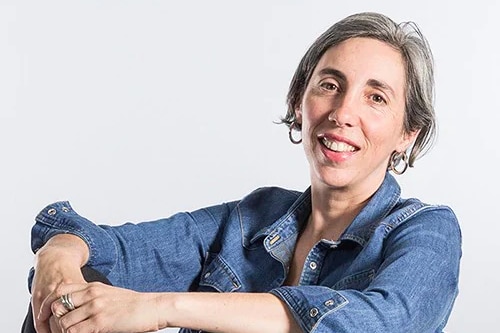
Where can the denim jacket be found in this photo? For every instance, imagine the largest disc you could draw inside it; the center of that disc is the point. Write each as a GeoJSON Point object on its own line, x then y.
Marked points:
{"type": "Point", "coordinates": [394, 269]}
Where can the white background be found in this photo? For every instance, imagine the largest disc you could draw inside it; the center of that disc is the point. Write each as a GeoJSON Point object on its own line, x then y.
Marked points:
{"type": "Point", "coordinates": [134, 110]}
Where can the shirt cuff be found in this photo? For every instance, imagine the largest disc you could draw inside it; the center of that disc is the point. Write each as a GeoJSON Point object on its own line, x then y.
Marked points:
{"type": "Point", "coordinates": [309, 304]}
{"type": "Point", "coordinates": [60, 218]}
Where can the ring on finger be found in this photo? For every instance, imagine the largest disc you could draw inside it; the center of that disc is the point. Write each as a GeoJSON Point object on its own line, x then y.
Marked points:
{"type": "Point", "coordinates": [67, 302]}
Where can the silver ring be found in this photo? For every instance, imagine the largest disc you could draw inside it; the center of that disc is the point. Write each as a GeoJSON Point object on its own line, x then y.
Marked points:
{"type": "Point", "coordinates": [67, 302]}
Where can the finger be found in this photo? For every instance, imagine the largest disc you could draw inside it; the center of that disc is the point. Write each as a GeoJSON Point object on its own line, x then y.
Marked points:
{"type": "Point", "coordinates": [73, 319]}
{"type": "Point", "coordinates": [58, 308]}
{"type": "Point", "coordinates": [50, 304]}
{"type": "Point", "coordinates": [54, 325]}
{"type": "Point", "coordinates": [45, 307]}
{"type": "Point", "coordinates": [40, 326]}
{"type": "Point", "coordinates": [69, 301]}
{"type": "Point", "coordinates": [63, 305]}
{"type": "Point", "coordinates": [42, 316]}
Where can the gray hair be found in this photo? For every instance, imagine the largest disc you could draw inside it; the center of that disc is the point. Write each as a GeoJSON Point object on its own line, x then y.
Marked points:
{"type": "Point", "coordinates": [417, 56]}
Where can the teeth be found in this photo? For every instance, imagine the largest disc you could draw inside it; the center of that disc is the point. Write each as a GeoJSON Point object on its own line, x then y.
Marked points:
{"type": "Point", "coordinates": [337, 146]}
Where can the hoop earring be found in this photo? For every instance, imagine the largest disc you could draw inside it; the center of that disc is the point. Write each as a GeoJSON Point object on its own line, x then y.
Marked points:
{"type": "Point", "coordinates": [395, 159]}
{"type": "Point", "coordinates": [297, 127]}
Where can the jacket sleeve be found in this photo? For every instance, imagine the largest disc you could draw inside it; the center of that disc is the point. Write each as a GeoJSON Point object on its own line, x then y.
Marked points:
{"type": "Point", "coordinates": [161, 255]}
{"type": "Point", "coordinates": [413, 290]}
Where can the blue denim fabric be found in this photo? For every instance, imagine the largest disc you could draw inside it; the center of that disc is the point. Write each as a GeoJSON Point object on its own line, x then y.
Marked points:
{"type": "Point", "coordinates": [395, 268]}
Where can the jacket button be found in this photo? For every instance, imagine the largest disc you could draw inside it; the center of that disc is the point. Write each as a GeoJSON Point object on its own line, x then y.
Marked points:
{"type": "Point", "coordinates": [51, 211]}
{"type": "Point", "coordinates": [313, 312]}
{"type": "Point", "coordinates": [65, 209]}
{"type": "Point", "coordinates": [313, 265]}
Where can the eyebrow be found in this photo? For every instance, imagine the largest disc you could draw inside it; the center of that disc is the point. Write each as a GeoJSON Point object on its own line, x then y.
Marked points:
{"type": "Point", "coordinates": [380, 85]}
{"type": "Point", "coordinates": [332, 71]}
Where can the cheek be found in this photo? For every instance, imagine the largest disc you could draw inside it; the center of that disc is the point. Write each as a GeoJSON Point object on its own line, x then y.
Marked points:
{"type": "Point", "coordinates": [310, 123]}
{"type": "Point", "coordinates": [313, 111]}
{"type": "Point", "coordinates": [384, 136]}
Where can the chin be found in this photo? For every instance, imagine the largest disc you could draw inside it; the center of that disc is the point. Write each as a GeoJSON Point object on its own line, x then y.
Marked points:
{"type": "Point", "coordinates": [334, 179]}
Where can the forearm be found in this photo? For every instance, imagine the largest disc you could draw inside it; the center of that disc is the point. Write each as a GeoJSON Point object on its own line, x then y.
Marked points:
{"type": "Point", "coordinates": [225, 312]}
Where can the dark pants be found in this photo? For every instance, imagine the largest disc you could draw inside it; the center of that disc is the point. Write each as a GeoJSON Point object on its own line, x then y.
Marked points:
{"type": "Point", "coordinates": [89, 274]}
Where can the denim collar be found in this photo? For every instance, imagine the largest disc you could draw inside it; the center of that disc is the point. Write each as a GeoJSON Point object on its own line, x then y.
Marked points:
{"type": "Point", "coordinates": [378, 207]}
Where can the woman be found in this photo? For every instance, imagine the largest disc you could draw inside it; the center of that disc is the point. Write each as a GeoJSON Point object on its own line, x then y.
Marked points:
{"type": "Point", "coordinates": [347, 255]}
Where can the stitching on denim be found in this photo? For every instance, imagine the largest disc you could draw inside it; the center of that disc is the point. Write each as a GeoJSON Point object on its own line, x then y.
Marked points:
{"type": "Point", "coordinates": [219, 264]}
{"type": "Point", "coordinates": [408, 213]}
{"type": "Point", "coordinates": [367, 274]}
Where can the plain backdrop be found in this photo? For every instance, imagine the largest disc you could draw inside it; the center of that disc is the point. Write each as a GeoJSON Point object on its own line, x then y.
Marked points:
{"type": "Point", "coordinates": [134, 110]}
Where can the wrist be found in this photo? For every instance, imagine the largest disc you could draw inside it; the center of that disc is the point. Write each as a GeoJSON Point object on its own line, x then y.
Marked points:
{"type": "Point", "coordinates": [63, 248]}
{"type": "Point", "coordinates": [164, 303]}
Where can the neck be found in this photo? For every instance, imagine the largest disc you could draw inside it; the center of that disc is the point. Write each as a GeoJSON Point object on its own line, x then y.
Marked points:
{"type": "Point", "coordinates": [333, 209]}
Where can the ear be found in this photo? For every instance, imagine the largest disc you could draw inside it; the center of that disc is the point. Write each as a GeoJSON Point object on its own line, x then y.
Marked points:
{"type": "Point", "coordinates": [406, 140]}
{"type": "Point", "coordinates": [298, 113]}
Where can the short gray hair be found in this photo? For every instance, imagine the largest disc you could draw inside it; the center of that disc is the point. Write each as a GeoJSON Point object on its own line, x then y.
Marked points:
{"type": "Point", "coordinates": [417, 56]}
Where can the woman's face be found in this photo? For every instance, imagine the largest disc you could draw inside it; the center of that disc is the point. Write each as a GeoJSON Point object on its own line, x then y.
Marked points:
{"type": "Point", "coordinates": [352, 114]}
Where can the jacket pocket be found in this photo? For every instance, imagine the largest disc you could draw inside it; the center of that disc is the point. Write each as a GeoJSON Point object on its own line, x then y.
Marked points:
{"type": "Point", "coordinates": [357, 281]}
{"type": "Point", "coordinates": [217, 274]}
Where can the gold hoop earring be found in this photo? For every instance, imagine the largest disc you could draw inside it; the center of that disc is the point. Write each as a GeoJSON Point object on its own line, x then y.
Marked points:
{"type": "Point", "coordinates": [395, 159]}
{"type": "Point", "coordinates": [294, 126]}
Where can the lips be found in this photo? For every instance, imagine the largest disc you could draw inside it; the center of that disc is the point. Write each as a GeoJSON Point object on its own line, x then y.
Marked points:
{"type": "Point", "coordinates": [337, 144]}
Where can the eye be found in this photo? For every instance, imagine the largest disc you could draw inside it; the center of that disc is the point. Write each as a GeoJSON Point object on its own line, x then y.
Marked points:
{"type": "Point", "coordinates": [329, 86]}
{"type": "Point", "coordinates": [378, 99]}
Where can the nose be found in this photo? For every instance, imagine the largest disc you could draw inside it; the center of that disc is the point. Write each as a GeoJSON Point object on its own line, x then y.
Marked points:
{"type": "Point", "coordinates": [344, 111]}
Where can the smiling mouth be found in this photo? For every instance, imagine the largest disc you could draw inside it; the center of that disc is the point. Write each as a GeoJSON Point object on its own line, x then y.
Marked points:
{"type": "Point", "coordinates": [337, 146]}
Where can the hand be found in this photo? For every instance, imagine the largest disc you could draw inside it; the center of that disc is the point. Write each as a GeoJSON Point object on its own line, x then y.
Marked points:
{"type": "Point", "coordinates": [54, 325]}
{"type": "Point", "coordinates": [57, 263]}
{"type": "Point", "coordinates": [106, 309]}
{"type": "Point", "coordinates": [46, 284]}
